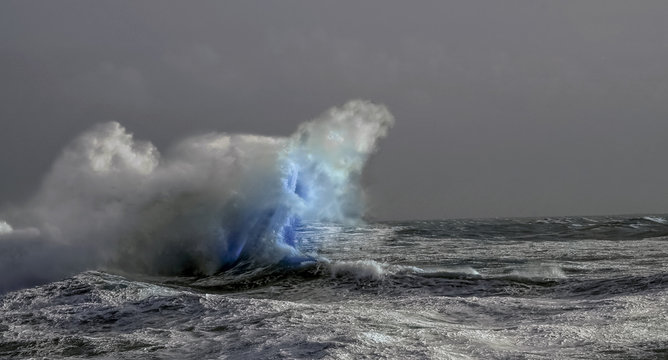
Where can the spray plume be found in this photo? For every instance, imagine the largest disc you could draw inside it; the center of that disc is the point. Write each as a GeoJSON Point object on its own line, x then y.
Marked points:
{"type": "Point", "coordinates": [206, 204]}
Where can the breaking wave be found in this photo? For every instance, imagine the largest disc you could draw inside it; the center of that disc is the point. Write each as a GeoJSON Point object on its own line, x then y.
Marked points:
{"type": "Point", "coordinates": [206, 204]}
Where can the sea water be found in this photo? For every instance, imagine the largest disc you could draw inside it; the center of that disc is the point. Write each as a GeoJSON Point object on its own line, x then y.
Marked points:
{"type": "Point", "coordinates": [253, 247]}
{"type": "Point", "coordinates": [549, 288]}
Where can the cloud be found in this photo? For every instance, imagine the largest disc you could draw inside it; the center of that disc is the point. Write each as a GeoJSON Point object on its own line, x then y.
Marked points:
{"type": "Point", "coordinates": [109, 84]}
{"type": "Point", "coordinates": [202, 64]}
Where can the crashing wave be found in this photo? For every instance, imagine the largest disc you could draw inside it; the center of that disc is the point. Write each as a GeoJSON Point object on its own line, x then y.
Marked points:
{"type": "Point", "coordinates": [207, 203]}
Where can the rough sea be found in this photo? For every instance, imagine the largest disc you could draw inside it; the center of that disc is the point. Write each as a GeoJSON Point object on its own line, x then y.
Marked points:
{"type": "Point", "coordinates": [527, 288]}
{"type": "Point", "coordinates": [237, 246]}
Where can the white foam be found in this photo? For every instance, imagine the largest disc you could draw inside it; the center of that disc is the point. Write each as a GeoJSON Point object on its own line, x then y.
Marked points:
{"type": "Point", "coordinates": [376, 337]}
{"type": "Point", "coordinates": [462, 270]}
{"type": "Point", "coordinates": [540, 272]}
{"type": "Point", "coordinates": [5, 228]}
{"type": "Point", "coordinates": [656, 219]}
{"type": "Point", "coordinates": [369, 269]}
{"type": "Point", "coordinates": [361, 269]}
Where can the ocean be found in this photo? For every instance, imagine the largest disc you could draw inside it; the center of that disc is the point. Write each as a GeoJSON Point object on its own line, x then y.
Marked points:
{"type": "Point", "coordinates": [519, 288]}
{"type": "Point", "coordinates": [237, 246]}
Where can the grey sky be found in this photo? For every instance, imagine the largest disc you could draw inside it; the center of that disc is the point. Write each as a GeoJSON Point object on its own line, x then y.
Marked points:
{"type": "Point", "coordinates": [503, 108]}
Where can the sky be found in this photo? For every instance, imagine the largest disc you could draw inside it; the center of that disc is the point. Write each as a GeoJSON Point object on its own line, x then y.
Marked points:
{"type": "Point", "coordinates": [503, 108]}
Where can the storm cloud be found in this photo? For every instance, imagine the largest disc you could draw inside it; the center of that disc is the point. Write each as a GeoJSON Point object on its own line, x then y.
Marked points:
{"type": "Point", "coordinates": [503, 108]}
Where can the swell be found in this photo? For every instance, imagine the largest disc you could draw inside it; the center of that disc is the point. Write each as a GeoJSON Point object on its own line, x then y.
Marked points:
{"type": "Point", "coordinates": [543, 229]}
{"type": "Point", "coordinates": [324, 281]}
{"type": "Point", "coordinates": [327, 281]}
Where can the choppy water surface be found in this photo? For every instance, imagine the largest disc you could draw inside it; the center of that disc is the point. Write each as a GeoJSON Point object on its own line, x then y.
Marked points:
{"type": "Point", "coordinates": [508, 288]}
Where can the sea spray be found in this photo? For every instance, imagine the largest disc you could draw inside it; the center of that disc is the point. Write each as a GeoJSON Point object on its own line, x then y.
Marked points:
{"type": "Point", "coordinates": [207, 203]}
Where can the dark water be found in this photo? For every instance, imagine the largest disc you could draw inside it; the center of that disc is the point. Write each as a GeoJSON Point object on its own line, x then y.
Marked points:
{"type": "Point", "coordinates": [576, 287]}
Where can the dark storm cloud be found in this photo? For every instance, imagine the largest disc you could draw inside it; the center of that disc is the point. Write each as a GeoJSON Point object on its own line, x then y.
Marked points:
{"type": "Point", "coordinates": [503, 107]}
